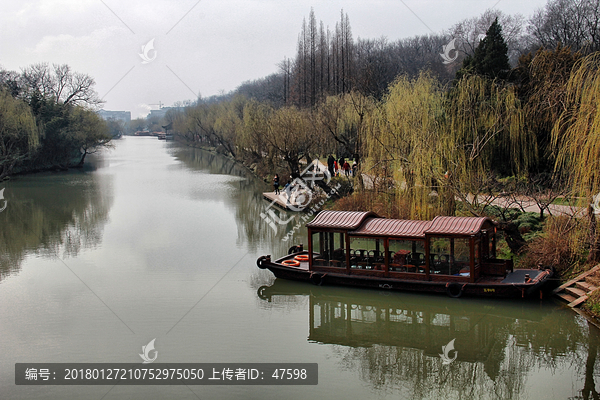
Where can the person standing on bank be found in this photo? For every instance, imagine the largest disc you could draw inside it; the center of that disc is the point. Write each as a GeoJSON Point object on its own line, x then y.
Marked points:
{"type": "Point", "coordinates": [276, 183]}
{"type": "Point", "coordinates": [330, 162]}
{"type": "Point", "coordinates": [288, 190]}
{"type": "Point", "coordinates": [346, 168]}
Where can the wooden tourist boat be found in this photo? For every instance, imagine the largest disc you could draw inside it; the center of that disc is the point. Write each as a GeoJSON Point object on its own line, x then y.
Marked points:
{"type": "Point", "coordinates": [452, 255]}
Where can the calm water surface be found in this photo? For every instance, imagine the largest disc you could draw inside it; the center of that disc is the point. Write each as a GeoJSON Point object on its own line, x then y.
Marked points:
{"type": "Point", "coordinates": [159, 241]}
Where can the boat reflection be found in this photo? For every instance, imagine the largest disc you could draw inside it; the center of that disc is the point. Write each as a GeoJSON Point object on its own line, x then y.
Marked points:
{"type": "Point", "coordinates": [396, 339]}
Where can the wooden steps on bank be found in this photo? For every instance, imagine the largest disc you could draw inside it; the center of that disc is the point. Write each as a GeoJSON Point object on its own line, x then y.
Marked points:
{"type": "Point", "coordinates": [577, 290]}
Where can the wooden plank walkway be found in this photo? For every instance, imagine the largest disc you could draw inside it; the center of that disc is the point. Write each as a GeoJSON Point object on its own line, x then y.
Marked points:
{"type": "Point", "coordinates": [280, 200]}
{"type": "Point", "coordinates": [577, 290]}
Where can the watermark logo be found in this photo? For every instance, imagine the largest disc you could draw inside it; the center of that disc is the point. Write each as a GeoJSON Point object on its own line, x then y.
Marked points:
{"type": "Point", "coordinates": [595, 203]}
{"type": "Point", "coordinates": [2, 198]}
{"type": "Point", "coordinates": [146, 352]}
{"type": "Point", "coordinates": [298, 196]}
{"type": "Point", "coordinates": [145, 54]}
{"type": "Point", "coordinates": [447, 349]}
{"type": "Point", "coordinates": [446, 52]}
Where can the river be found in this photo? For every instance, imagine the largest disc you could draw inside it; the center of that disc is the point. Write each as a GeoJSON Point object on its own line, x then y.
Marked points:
{"type": "Point", "coordinates": [157, 241]}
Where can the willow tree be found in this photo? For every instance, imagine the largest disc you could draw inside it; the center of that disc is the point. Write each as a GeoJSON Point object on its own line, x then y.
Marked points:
{"type": "Point", "coordinates": [341, 121]}
{"type": "Point", "coordinates": [252, 136]}
{"type": "Point", "coordinates": [404, 150]}
{"type": "Point", "coordinates": [19, 135]}
{"type": "Point", "coordinates": [543, 84]}
{"type": "Point", "coordinates": [434, 147]}
{"type": "Point", "coordinates": [486, 135]}
{"type": "Point", "coordinates": [87, 131]}
{"type": "Point", "coordinates": [229, 123]}
{"type": "Point", "coordinates": [576, 137]}
{"type": "Point", "coordinates": [291, 137]}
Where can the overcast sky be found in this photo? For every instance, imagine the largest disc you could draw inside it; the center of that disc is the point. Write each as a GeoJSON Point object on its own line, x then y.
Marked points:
{"type": "Point", "coordinates": [200, 47]}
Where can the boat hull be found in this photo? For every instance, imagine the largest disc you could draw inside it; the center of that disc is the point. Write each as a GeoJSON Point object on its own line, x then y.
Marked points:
{"type": "Point", "coordinates": [482, 288]}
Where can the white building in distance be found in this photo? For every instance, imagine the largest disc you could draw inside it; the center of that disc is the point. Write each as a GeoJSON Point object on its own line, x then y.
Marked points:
{"type": "Point", "coordinates": [161, 113]}
{"type": "Point", "coordinates": [124, 116]}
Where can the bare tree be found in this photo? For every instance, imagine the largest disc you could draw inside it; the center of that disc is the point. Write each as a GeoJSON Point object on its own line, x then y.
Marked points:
{"type": "Point", "coordinates": [11, 82]}
{"type": "Point", "coordinates": [61, 84]}
{"type": "Point", "coordinates": [38, 78]}
{"type": "Point", "coordinates": [572, 23]}
{"type": "Point", "coordinates": [543, 189]}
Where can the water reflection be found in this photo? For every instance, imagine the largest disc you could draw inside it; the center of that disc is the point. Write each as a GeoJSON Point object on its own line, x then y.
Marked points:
{"type": "Point", "coordinates": [246, 200]}
{"type": "Point", "coordinates": [394, 340]}
{"type": "Point", "coordinates": [52, 215]}
{"type": "Point", "coordinates": [60, 214]}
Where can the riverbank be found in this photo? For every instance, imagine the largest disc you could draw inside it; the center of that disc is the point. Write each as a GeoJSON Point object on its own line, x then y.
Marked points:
{"type": "Point", "coordinates": [98, 255]}
{"type": "Point", "coordinates": [554, 240]}
{"type": "Point", "coordinates": [252, 167]}
{"type": "Point", "coordinates": [591, 307]}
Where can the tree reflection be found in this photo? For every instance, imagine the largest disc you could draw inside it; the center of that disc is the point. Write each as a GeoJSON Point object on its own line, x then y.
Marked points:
{"type": "Point", "coordinates": [393, 341]}
{"type": "Point", "coordinates": [589, 389]}
{"type": "Point", "coordinates": [52, 216]}
{"type": "Point", "coordinates": [247, 201]}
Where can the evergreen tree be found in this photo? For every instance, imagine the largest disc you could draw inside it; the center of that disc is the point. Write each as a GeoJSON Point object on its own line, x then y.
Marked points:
{"type": "Point", "coordinates": [491, 56]}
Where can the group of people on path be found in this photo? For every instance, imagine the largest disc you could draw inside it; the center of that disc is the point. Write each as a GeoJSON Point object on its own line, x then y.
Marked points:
{"type": "Point", "coordinates": [337, 167]}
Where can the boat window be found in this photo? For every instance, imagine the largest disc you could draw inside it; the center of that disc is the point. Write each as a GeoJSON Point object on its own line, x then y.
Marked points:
{"type": "Point", "coordinates": [316, 242]}
{"type": "Point", "coordinates": [488, 246]}
{"type": "Point", "coordinates": [407, 255]}
{"type": "Point", "coordinates": [330, 249]}
{"type": "Point", "coordinates": [450, 256]}
{"type": "Point", "coordinates": [492, 244]}
{"type": "Point", "coordinates": [367, 253]}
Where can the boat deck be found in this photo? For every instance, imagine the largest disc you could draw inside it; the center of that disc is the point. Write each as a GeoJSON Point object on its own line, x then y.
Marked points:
{"type": "Point", "coordinates": [303, 266]}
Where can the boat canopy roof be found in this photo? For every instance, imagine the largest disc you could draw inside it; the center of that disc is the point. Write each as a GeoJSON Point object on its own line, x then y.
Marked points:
{"type": "Point", "coordinates": [393, 227]}
{"type": "Point", "coordinates": [369, 224]}
{"type": "Point", "coordinates": [458, 225]}
{"type": "Point", "coordinates": [345, 220]}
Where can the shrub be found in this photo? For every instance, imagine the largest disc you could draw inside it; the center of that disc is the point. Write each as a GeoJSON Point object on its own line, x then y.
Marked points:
{"type": "Point", "coordinates": [561, 245]}
{"type": "Point", "coordinates": [592, 304]}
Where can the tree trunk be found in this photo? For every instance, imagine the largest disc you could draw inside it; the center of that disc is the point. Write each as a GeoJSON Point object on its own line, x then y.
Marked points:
{"type": "Point", "coordinates": [513, 237]}
{"type": "Point", "coordinates": [82, 159]}
{"type": "Point", "coordinates": [594, 253]}
{"type": "Point", "coordinates": [293, 164]}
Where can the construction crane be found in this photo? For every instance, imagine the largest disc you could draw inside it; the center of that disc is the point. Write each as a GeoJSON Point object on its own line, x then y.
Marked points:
{"type": "Point", "coordinates": [160, 104]}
